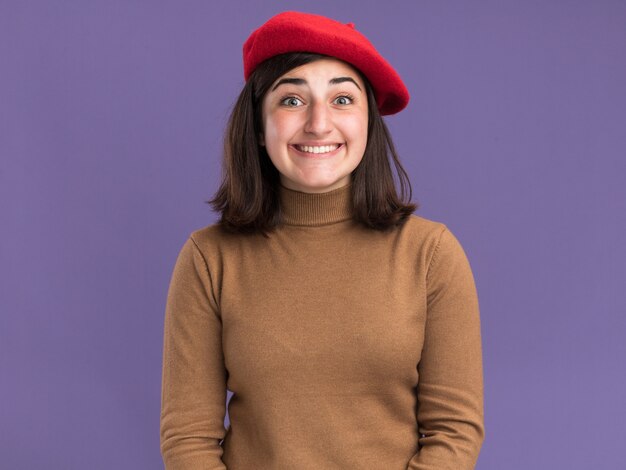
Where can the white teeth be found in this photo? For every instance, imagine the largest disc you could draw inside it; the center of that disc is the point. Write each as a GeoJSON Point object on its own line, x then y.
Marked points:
{"type": "Point", "coordinates": [321, 149]}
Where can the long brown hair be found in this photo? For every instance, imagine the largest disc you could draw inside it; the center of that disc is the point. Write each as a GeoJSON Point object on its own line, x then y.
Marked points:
{"type": "Point", "coordinates": [248, 195]}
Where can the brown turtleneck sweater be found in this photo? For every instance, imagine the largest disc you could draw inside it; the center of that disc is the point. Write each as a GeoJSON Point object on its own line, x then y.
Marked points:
{"type": "Point", "coordinates": [345, 348]}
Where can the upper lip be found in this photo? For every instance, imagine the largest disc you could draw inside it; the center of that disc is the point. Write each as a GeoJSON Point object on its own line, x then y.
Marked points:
{"type": "Point", "coordinates": [317, 144]}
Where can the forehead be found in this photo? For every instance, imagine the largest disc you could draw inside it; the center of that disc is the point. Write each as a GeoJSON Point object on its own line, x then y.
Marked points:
{"type": "Point", "coordinates": [323, 68]}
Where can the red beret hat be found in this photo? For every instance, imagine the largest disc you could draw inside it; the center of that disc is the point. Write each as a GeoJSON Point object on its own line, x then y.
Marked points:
{"type": "Point", "coordinates": [293, 31]}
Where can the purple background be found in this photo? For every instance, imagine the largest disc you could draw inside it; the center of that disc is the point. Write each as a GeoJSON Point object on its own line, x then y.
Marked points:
{"type": "Point", "coordinates": [110, 134]}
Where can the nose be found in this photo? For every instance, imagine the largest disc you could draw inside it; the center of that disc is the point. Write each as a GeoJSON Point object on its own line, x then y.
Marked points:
{"type": "Point", "coordinates": [319, 119]}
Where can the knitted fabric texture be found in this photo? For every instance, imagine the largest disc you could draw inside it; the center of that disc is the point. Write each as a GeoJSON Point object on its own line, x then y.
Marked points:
{"type": "Point", "coordinates": [344, 347]}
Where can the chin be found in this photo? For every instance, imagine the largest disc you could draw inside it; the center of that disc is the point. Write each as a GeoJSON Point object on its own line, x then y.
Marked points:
{"type": "Point", "coordinates": [318, 186]}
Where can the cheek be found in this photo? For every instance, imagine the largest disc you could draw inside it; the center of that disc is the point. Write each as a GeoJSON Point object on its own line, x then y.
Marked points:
{"type": "Point", "coordinates": [276, 130]}
{"type": "Point", "coordinates": [356, 130]}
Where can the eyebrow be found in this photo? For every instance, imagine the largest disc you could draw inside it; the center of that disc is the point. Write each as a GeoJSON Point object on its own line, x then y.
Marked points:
{"type": "Point", "coordinates": [302, 81]}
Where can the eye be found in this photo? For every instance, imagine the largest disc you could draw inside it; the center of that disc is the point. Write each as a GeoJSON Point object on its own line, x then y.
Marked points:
{"type": "Point", "coordinates": [344, 99]}
{"type": "Point", "coordinates": [290, 101]}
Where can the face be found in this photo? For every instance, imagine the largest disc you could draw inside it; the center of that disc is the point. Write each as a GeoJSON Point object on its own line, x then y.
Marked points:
{"type": "Point", "coordinates": [315, 125]}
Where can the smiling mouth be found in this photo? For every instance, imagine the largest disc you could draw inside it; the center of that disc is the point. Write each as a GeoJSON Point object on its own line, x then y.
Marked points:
{"type": "Point", "coordinates": [317, 149]}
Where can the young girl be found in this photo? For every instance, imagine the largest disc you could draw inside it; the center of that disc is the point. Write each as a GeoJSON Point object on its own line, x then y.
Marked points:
{"type": "Point", "coordinates": [346, 327]}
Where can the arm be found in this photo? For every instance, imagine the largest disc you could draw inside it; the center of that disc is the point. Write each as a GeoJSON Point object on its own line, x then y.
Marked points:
{"type": "Point", "coordinates": [450, 387]}
{"type": "Point", "coordinates": [193, 395]}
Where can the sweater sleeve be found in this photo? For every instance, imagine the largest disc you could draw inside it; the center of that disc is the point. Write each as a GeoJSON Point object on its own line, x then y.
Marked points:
{"type": "Point", "coordinates": [193, 393]}
{"type": "Point", "coordinates": [450, 388]}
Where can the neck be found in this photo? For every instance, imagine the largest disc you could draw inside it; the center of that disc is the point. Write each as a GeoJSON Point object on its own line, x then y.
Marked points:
{"type": "Point", "coordinates": [311, 209]}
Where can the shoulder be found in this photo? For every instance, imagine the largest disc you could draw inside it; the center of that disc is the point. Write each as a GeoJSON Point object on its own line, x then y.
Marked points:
{"type": "Point", "coordinates": [445, 255]}
{"type": "Point", "coordinates": [210, 239]}
{"type": "Point", "coordinates": [431, 229]}
{"type": "Point", "coordinates": [205, 249]}
{"type": "Point", "coordinates": [198, 245]}
{"type": "Point", "coordinates": [417, 224]}
{"type": "Point", "coordinates": [423, 231]}
{"type": "Point", "coordinates": [440, 244]}
{"type": "Point", "coordinates": [215, 243]}
{"type": "Point", "coordinates": [212, 233]}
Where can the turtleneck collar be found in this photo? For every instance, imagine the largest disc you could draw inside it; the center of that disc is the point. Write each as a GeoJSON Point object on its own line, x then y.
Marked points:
{"type": "Point", "coordinates": [312, 209]}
